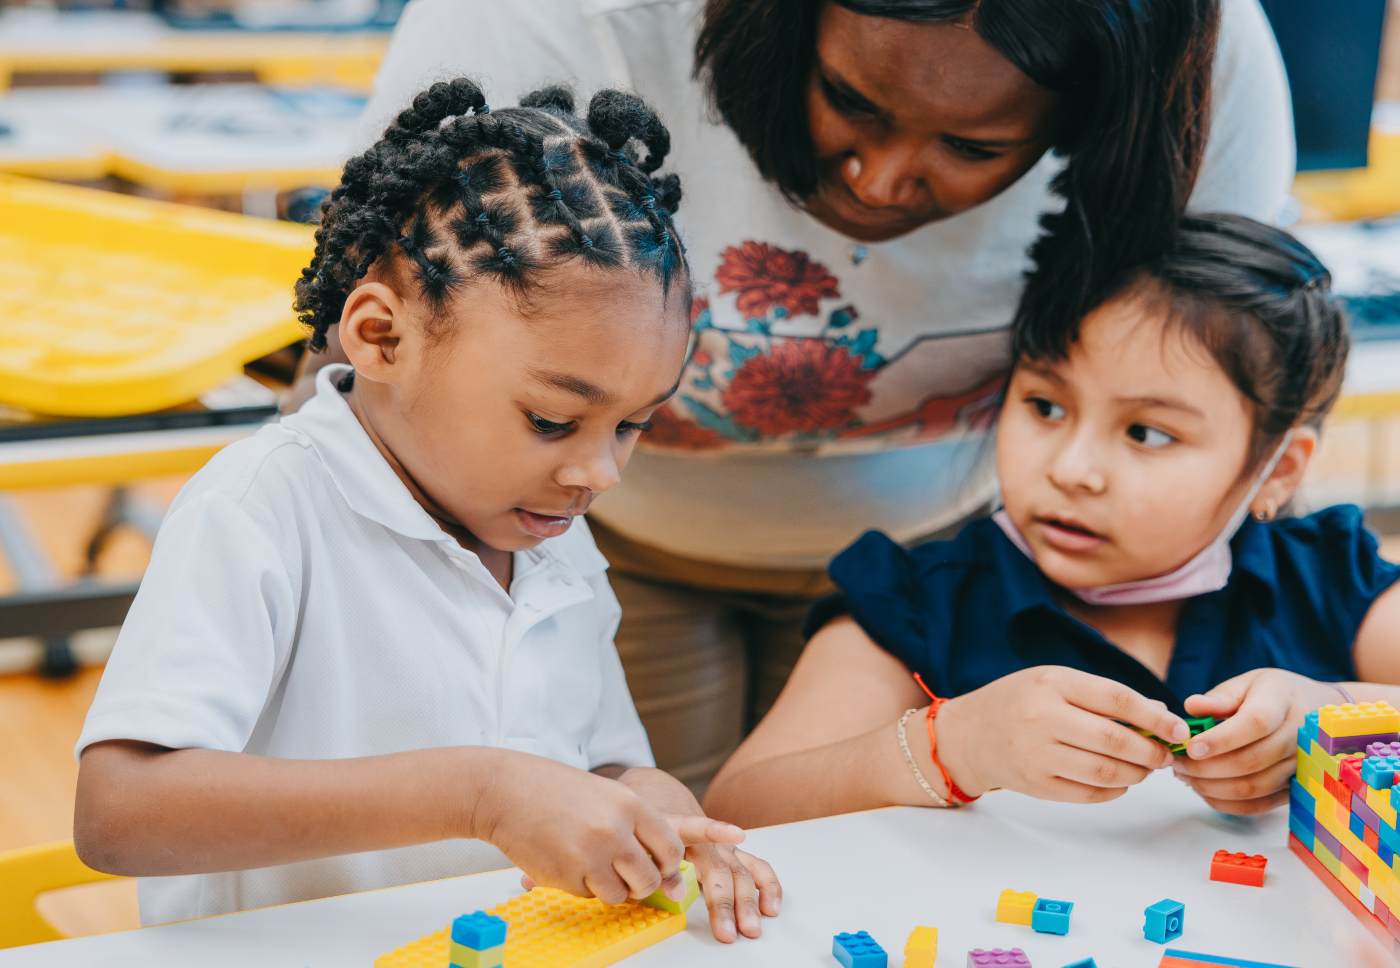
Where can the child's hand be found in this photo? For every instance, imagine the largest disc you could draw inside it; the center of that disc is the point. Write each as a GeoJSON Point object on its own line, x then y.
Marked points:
{"type": "Point", "coordinates": [588, 835]}
{"type": "Point", "coordinates": [738, 887]}
{"type": "Point", "coordinates": [1243, 765]}
{"type": "Point", "coordinates": [1054, 733]}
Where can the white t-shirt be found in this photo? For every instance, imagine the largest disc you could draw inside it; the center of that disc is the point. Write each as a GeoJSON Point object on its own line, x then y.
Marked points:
{"type": "Point", "coordinates": [834, 387]}
{"type": "Point", "coordinates": [301, 604]}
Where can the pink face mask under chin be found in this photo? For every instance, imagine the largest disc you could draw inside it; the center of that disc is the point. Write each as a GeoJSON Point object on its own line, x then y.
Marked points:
{"type": "Point", "coordinates": [1206, 572]}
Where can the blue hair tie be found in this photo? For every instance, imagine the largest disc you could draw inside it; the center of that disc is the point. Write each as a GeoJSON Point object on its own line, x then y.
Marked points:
{"type": "Point", "coordinates": [649, 203]}
{"type": "Point", "coordinates": [586, 241]}
{"type": "Point", "coordinates": [555, 195]}
{"type": "Point", "coordinates": [482, 218]}
{"type": "Point", "coordinates": [620, 154]}
{"type": "Point", "coordinates": [506, 256]}
{"type": "Point", "coordinates": [484, 109]}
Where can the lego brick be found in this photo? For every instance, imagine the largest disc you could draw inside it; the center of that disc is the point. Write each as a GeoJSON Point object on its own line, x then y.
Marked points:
{"type": "Point", "coordinates": [857, 950]}
{"type": "Point", "coordinates": [1378, 772]}
{"type": "Point", "coordinates": [997, 958]}
{"type": "Point", "coordinates": [1015, 907]}
{"type": "Point", "coordinates": [1238, 868]}
{"type": "Point", "coordinates": [1372, 840]}
{"type": "Point", "coordinates": [1194, 959]}
{"type": "Point", "coordinates": [1367, 898]}
{"type": "Point", "coordinates": [1325, 855]}
{"type": "Point", "coordinates": [1164, 921]}
{"type": "Point", "coordinates": [1326, 831]}
{"type": "Point", "coordinates": [1383, 802]}
{"type": "Point", "coordinates": [1313, 785]}
{"type": "Point", "coordinates": [692, 892]}
{"type": "Point", "coordinates": [1358, 719]}
{"type": "Point", "coordinates": [1310, 724]}
{"type": "Point", "coordinates": [1084, 963]}
{"type": "Point", "coordinates": [1302, 829]}
{"type": "Point", "coordinates": [1349, 878]}
{"type": "Point", "coordinates": [1338, 745]}
{"type": "Point", "coordinates": [1349, 772]}
{"type": "Point", "coordinates": [1383, 749]}
{"type": "Point", "coordinates": [1360, 808]}
{"type": "Point", "coordinates": [1051, 917]}
{"type": "Point", "coordinates": [478, 930]}
{"type": "Point", "coordinates": [460, 956]}
{"type": "Point", "coordinates": [1336, 788]}
{"type": "Point", "coordinates": [1389, 837]}
{"type": "Point", "coordinates": [1383, 851]}
{"type": "Point", "coordinates": [551, 929]}
{"type": "Point", "coordinates": [921, 950]}
{"type": "Point", "coordinates": [1357, 826]}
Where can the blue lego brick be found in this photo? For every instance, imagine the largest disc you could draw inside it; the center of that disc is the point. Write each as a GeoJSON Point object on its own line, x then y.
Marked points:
{"type": "Point", "coordinates": [1051, 916]}
{"type": "Point", "coordinates": [1386, 855]}
{"type": "Point", "coordinates": [1219, 959]}
{"type": "Point", "coordinates": [858, 950]}
{"type": "Point", "coordinates": [1310, 726]}
{"type": "Point", "coordinates": [1301, 828]}
{"type": "Point", "coordinates": [1357, 826]}
{"type": "Point", "coordinates": [1164, 921]}
{"type": "Point", "coordinates": [1300, 793]}
{"type": "Point", "coordinates": [1086, 963]}
{"type": "Point", "coordinates": [1378, 772]}
{"type": "Point", "coordinates": [1395, 797]}
{"type": "Point", "coordinates": [1389, 837]}
{"type": "Point", "coordinates": [479, 931]}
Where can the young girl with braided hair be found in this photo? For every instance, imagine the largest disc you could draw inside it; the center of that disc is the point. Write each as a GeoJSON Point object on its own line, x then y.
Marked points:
{"type": "Point", "coordinates": [374, 644]}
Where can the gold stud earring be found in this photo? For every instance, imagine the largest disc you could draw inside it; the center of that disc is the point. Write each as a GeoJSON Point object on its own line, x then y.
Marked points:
{"type": "Point", "coordinates": [1266, 513]}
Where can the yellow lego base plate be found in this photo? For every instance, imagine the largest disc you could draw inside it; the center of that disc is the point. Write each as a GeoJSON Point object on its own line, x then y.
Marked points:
{"type": "Point", "coordinates": [116, 305]}
{"type": "Point", "coordinates": [553, 929]}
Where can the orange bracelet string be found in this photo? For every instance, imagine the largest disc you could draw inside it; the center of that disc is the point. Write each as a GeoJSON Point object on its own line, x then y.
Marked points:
{"type": "Point", "coordinates": [934, 704]}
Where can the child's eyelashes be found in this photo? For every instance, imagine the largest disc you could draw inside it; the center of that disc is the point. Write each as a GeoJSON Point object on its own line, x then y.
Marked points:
{"type": "Point", "coordinates": [1150, 437]}
{"type": "Point", "coordinates": [553, 428]}
{"type": "Point", "coordinates": [549, 427]}
{"type": "Point", "coordinates": [970, 150]}
{"type": "Point", "coordinates": [1046, 409]}
{"type": "Point", "coordinates": [844, 100]}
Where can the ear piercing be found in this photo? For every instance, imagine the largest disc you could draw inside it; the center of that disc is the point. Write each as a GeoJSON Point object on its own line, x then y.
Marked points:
{"type": "Point", "coordinates": [1266, 512]}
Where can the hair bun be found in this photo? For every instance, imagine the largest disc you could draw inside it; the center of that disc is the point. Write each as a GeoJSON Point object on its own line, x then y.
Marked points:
{"type": "Point", "coordinates": [443, 100]}
{"type": "Point", "coordinates": [618, 117]}
{"type": "Point", "coordinates": [557, 96]}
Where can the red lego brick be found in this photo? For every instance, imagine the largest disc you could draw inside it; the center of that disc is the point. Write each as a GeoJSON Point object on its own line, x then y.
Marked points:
{"type": "Point", "coordinates": [1381, 931]}
{"type": "Point", "coordinates": [1372, 840]}
{"type": "Point", "coordinates": [1339, 791]}
{"type": "Point", "coordinates": [1349, 772]}
{"type": "Point", "coordinates": [1354, 864]}
{"type": "Point", "coordinates": [1238, 868]}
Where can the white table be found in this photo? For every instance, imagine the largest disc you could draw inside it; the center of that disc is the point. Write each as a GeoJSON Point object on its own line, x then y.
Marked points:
{"type": "Point", "coordinates": [882, 871]}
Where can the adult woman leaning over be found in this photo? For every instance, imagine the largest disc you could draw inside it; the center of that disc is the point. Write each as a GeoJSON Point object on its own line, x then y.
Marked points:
{"type": "Point", "coordinates": [860, 205]}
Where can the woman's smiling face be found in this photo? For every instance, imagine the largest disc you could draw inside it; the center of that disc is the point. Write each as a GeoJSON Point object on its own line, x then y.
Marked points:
{"type": "Point", "coordinates": [915, 122]}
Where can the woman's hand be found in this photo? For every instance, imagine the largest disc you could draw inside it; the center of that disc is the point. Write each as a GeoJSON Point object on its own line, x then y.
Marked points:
{"type": "Point", "coordinates": [1243, 765]}
{"type": "Point", "coordinates": [1054, 733]}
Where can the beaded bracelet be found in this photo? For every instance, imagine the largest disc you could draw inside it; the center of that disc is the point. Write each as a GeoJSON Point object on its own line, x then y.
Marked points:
{"type": "Point", "coordinates": [909, 758]}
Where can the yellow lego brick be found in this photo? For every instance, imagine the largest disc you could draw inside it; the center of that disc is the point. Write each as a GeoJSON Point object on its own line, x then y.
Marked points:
{"type": "Point", "coordinates": [1314, 786]}
{"type": "Point", "coordinates": [1329, 860]}
{"type": "Point", "coordinates": [1358, 719]}
{"type": "Point", "coordinates": [1379, 801]}
{"type": "Point", "coordinates": [460, 956]}
{"type": "Point", "coordinates": [552, 929]}
{"type": "Point", "coordinates": [1349, 880]}
{"type": "Point", "coordinates": [1015, 907]}
{"type": "Point", "coordinates": [1326, 813]}
{"type": "Point", "coordinates": [921, 950]}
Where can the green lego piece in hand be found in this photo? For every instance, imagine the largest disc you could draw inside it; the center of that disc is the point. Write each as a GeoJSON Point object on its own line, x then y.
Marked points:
{"type": "Point", "coordinates": [692, 892]}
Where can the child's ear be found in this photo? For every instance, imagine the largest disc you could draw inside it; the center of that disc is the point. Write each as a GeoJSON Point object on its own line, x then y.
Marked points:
{"type": "Point", "coordinates": [1287, 474]}
{"type": "Point", "coordinates": [372, 325]}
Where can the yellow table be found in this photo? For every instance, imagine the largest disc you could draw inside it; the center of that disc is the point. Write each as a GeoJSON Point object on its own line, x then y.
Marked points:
{"type": "Point", "coordinates": [48, 42]}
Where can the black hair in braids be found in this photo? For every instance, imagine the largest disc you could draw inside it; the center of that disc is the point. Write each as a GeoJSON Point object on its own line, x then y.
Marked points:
{"type": "Point", "coordinates": [455, 191]}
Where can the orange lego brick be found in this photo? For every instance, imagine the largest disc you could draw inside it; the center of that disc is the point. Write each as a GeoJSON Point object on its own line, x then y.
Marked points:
{"type": "Point", "coordinates": [554, 929]}
{"type": "Point", "coordinates": [1238, 868]}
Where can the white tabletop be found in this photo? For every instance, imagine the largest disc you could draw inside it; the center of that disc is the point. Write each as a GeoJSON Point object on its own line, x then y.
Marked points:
{"type": "Point", "coordinates": [883, 871]}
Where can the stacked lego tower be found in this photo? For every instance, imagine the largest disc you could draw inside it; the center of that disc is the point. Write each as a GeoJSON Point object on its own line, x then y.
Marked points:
{"type": "Point", "coordinates": [1342, 812]}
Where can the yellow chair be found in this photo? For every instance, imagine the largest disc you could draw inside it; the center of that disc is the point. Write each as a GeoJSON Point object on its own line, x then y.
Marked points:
{"type": "Point", "coordinates": [24, 875]}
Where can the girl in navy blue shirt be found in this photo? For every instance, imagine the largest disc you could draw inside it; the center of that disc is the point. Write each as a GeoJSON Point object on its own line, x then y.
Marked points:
{"type": "Point", "coordinates": [1138, 572]}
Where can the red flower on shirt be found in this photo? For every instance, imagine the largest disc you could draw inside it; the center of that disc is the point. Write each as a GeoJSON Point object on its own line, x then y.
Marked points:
{"type": "Point", "coordinates": [802, 385]}
{"type": "Point", "coordinates": [765, 276]}
{"type": "Point", "coordinates": [669, 429]}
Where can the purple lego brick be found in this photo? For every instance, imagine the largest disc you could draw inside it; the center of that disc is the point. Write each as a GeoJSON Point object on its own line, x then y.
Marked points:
{"type": "Point", "coordinates": [1351, 744]}
{"type": "Point", "coordinates": [1363, 810]}
{"type": "Point", "coordinates": [1332, 843]}
{"type": "Point", "coordinates": [1383, 749]}
{"type": "Point", "coordinates": [997, 958]}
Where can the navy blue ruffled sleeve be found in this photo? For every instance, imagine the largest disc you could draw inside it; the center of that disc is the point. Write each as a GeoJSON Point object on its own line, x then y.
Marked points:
{"type": "Point", "coordinates": [1329, 574]}
{"type": "Point", "coordinates": [878, 584]}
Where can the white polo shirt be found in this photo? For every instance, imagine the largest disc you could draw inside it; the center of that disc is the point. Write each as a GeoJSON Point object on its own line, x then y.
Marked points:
{"type": "Point", "coordinates": [300, 603]}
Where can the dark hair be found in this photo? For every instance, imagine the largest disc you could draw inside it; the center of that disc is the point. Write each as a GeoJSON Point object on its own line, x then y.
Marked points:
{"type": "Point", "coordinates": [458, 191]}
{"type": "Point", "coordinates": [1259, 302]}
{"type": "Point", "coordinates": [1133, 79]}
